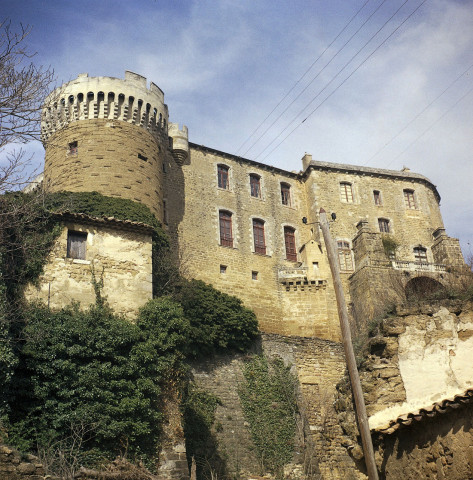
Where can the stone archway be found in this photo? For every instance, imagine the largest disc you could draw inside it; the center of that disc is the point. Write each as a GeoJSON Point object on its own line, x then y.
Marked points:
{"type": "Point", "coordinates": [422, 287]}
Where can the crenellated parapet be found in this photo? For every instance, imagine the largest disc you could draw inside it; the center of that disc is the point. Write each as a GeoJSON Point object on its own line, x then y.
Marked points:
{"type": "Point", "coordinates": [87, 98]}
{"type": "Point", "coordinates": [180, 142]}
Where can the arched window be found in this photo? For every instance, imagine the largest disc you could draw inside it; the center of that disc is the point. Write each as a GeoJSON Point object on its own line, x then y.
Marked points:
{"type": "Point", "coordinates": [409, 199]}
{"type": "Point", "coordinates": [346, 192]}
{"type": "Point", "coordinates": [420, 254]}
{"type": "Point", "coordinates": [226, 236]}
{"type": "Point", "coordinates": [222, 176]}
{"type": "Point", "coordinates": [286, 194]}
{"type": "Point", "coordinates": [344, 256]}
{"type": "Point", "coordinates": [258, 236]}
{"type": "Point", "coordinates": [383, 224]}
{"type": "Point", "coordinates": [290, 242]}
{"type": "Point", "coordinates": [255, 185]}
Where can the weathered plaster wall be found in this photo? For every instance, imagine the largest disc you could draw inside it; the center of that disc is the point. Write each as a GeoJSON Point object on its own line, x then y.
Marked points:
{"type": "Point", "coordinates": [421, 357]}
{"type": "Point", "coordinates": [433, 354]}
{"type": "Point", "coordinates": [124, 257]}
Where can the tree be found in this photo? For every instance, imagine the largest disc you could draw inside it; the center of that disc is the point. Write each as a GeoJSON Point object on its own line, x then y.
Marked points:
{"type": "Point", "coordinates": [23, 87]}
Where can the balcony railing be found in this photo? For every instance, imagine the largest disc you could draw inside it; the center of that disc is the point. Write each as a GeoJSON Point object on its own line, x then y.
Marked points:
{"type": "Point", "coordinates": [292, 273]}
{"type": "Point", "coordinates": [418, 266]}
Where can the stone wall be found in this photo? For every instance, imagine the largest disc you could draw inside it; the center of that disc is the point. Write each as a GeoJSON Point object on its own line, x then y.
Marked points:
{"type": "Point", "coordinates": [16, 466]}
{"type": "Point", "coordinates": [319, 365]}
{"type": "Point", "coordinates": [266, 283]}
{"type": "Point", "coordinates": [239, 270]}
{"type": "Point", "coordinates": [122, 257]}
{"type": "Point", "coordinates": [114, 158]}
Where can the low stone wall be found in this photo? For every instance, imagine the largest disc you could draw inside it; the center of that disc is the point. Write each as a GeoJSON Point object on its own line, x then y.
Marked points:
{"type": "Point", "coordinates": [16, 466]}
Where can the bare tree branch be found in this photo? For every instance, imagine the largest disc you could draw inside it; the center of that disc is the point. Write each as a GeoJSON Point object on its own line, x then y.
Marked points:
{"type": "Point", "coordinates": [23, 87]}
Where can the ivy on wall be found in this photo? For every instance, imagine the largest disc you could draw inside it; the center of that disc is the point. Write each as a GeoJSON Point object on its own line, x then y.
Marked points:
{"type": "Point", "coordinates": [268, 398]}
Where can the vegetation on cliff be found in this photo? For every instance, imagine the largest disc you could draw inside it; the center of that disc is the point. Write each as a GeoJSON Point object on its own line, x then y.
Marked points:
{"type": "Point", "coordinates": [89, 384]}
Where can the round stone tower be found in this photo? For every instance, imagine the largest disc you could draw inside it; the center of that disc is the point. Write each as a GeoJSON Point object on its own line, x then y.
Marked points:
{"type": "Point", "coordinates": [109, 135]}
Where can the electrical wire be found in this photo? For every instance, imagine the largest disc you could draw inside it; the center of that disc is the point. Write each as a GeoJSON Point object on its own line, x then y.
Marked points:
{"type": "Point", "coordinates": [419, 114]}
{"type": "Point", "coordinates": [318, 74]}
{"type": "Point", "coordinates": [344, 81]}
{"type": "Point", "coordinates": [302, 77]}
{"type": "Point", "coordinates": [432, 125]}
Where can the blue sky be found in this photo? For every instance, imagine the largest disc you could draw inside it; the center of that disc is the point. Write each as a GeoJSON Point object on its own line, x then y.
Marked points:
{"type": "Point", "coordinates": [224, 65]}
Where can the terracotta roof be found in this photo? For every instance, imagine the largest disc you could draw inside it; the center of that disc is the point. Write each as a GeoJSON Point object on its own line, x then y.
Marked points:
{"type": "Point", "coordinates": [110, 222]}
{"type": "Point", "coordinates": [437, 408]}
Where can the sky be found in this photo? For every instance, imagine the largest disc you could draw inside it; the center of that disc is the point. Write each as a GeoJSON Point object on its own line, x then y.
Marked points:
{"type": "Point", "coordinates": [378, 83]}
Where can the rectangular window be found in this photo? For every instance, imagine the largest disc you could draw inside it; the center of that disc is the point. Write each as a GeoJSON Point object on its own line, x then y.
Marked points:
{"type": "Point", "coordinates": [254, 275]}
{"type": "Point", "coordinates": [258, 237]}
{"type": "Point", "coordinates": [223, 177]}
{"type": "Point", "coordinates": [255, 186]}
{"type": "Point", "coordinates": [286, 194]}
{"type": "Point", "coordinates": [290, 242]}
{"type": "Point", "coordinates": [344, 256]}
{"type": "Point", "coordinates": [223, 269]}
{"type": "Point", "coordinates": [226, 238]}
{"type": "Point", "coordinates": [73, 148]}
{"type": "Point", "coordinates": [420, 254]}
{"type": "Point", "coordinates": [76, 245]}
{"type": "Point", "coordinates": [346, 192]}
{"type": "Point", "coordinates": [377, 197]}
{"type": "Point", "coordinates": [383, 224]}
{"type": "Point", "coordinates": [409, 199]}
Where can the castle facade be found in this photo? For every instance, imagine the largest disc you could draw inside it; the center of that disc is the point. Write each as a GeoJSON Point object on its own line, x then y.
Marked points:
{"type": "Point", "coordinates": [248, 228]}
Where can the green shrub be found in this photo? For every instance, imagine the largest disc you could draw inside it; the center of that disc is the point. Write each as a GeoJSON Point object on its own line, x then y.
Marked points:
{"type": "Point", "coordinates": [87, 368]}
{"type": "Point", "coordinates": [269, 402]}
{"type": "Point", "coordinates": [217, 321]}
{"type": "Point", "coordinates": [166, 337]}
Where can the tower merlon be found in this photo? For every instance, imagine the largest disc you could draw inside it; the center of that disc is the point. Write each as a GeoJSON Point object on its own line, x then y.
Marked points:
{"type": "Point", "coordinates": [180, 142]}
{"type": "Point", "coordinates": [86, 98]}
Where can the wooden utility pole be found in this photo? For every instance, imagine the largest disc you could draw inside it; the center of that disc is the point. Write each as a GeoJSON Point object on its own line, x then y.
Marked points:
{"type": "Point", "coordinates": [349, 354]}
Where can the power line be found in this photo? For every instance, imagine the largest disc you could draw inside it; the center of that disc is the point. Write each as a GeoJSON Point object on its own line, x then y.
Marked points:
{"type": "Point", "coordinates": [300, 79]}
{"type": "Point", "coordinates": [432, 125]}
{"type": "Point", "coordinates": [345, 80]}
{"type": "Point", "coordinates": [419, 114]}
{"type": "Point", "coordinates": [318, 73]}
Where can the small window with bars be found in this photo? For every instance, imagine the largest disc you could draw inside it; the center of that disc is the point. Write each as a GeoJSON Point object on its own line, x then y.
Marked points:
{"type": "Point", "coordinates": [73, 148]}
{"type": "Point", "coordinates": [420, 254]}
{"type": "Point", "coordinates": [255, 186]}
{"type": "Point", "coordinates": [377, 197]}
{"type": "Point", "coordinates": [258, 237]}
{"type": "Point", "coordinates": [76, 245]}
{"type": "Point", "coordinates": [222, 176]}
{"type": "Point", "coordinates": [225, 220]}
{"type": "Point", "coordinates": [383, 224]}
{"type": "Point", "coordinates": [286, 194]}
{"type": "Point", "coordinates": [345, 258]}
{"type": "Point", "coordinates": [409, 199]}
{"type": "Point", "coordinates": [346, 192]}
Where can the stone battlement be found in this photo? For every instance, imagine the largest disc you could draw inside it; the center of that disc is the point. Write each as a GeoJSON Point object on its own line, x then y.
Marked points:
{"type": "Point", "coordinates": [86, 98]}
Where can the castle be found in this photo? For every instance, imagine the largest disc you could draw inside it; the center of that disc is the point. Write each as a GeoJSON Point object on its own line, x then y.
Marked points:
{"type": "Point", "coordinates": [247, 228]}
{"type": "Point", "coordinates": [252, 230]}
